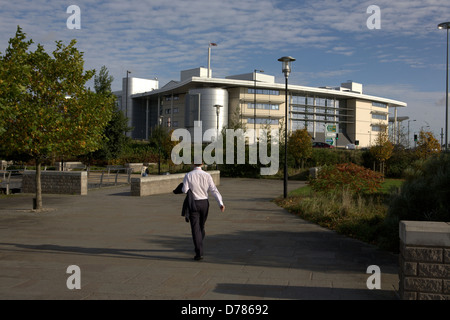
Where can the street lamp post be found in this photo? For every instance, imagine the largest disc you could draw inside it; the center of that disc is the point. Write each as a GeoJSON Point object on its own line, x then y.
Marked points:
{"type": "Point", "coordinates": [161, 118]}
{"type": "Point", "coordinates": [408, 132]}
{"type": "Point", "coordinates": [254, 104]}
{"type": "Point", "coordinates": [446, 25]}
{"type": "Point", "coordinates": [126, 97]}
{"type": "Point", "coordinates": [286, 69]}
{"type": "Point", "coordinates": [217, 106]}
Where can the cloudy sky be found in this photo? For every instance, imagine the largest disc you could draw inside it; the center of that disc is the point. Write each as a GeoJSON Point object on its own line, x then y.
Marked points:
{"type": "Point", "coordinates": [403, 57]}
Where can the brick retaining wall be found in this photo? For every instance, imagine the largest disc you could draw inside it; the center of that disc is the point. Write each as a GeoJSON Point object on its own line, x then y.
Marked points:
{"type": "Point", "coordinates": [56, 182]}
{"type": "Point", "coordinates": [424, 260]}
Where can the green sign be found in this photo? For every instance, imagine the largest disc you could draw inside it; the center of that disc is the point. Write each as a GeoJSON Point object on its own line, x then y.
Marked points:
{"type": "Point", "coordinates": [331, 128]}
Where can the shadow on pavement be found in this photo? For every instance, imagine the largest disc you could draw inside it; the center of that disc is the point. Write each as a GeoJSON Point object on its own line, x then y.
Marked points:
{"type": "Point", "coordinates": [301, 292]}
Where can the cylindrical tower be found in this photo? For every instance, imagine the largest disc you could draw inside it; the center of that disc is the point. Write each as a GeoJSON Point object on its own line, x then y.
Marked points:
{"type": "Point", "coordinates": [200, 105]}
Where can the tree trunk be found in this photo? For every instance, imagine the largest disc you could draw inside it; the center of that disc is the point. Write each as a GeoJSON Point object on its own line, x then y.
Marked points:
{"type": "Point", "coordinates": [38, 185]}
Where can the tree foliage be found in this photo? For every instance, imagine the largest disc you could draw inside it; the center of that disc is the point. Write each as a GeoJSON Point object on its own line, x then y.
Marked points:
{"type": "Point", "coordinates": [427, 145]}
{"type": "Point", "coordinates": [299, 146]}
{"type": "Point", "coordinates": [115, 140]}
{"type": "Point", "coordinates": [383, 149]}
{"type": "Point", "coordinates": [45, 108]}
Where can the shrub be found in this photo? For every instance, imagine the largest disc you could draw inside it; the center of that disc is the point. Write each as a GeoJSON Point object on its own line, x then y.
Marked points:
{"type": "Point", "coordinates": [347, 176]}
{"type": "Point", "coordinates": [138, 152]}
{"type": "Point", "coordinates": [424, 196]}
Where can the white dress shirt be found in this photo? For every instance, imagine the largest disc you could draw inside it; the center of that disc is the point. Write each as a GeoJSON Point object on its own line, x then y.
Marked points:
{"type": "Point", "coordinates": [200, 183]}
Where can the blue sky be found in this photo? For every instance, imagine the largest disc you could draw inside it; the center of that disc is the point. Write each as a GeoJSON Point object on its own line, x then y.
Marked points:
{"type": "Point", "coordinates": [404, 59]}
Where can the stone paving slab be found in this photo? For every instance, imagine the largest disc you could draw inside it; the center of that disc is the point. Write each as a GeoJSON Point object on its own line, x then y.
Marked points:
{"type": "Point", "coordinates": [141, 248]}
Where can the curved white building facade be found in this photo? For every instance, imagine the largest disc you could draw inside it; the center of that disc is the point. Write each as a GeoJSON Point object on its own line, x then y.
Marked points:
{"type": "Point", "coordinates": [257, 101]}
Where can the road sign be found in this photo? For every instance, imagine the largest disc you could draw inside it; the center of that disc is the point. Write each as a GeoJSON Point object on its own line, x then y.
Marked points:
{"type": "Point", "coordinates": [331, 128]}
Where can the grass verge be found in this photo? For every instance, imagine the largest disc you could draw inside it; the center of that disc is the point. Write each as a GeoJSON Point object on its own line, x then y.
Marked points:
{"type": "Point", "coordinates": [358, 216]}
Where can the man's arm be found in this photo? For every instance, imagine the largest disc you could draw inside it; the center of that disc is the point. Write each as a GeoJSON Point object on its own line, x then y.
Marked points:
{"type": "Point", "coordinates": [215, 192]}
{"type": "Point", "coordinates": [185, 188]}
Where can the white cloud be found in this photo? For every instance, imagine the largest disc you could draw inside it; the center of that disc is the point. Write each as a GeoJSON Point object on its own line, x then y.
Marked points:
{"type": "Point", "coordinates": [426, 107]}
{"type": "Point", "coordinates": [160, 37]}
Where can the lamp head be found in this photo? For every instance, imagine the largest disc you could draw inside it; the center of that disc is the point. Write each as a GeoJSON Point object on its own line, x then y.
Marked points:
{"type": "Point", "coordinates": [286, 65]}
{"type": "Point", "coordinates": [444, 25]}
{"type": "Point", "coordinates": [217, 106]}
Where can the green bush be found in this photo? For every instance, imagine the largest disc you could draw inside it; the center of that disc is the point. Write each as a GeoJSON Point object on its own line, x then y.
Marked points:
{"type": "Point", "coordinates": [138, 153]}
{"type": "Point", "coordinates": [424, 196]}
{"type": "Point", "coordinates": [401, 159]}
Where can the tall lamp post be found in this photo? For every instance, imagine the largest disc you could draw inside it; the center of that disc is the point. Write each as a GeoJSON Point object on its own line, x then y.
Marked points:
{"type": "Point", "coordinates": [160, 122]}
{"type": "Point", "coordinates": [446, 25]}
{"type": "Point", "coordinates": [408, 132]}
{"type": "Point", "coordinates": [217, 106]}
{"type": "Point", "coordinates": [254, 104]}
{"type": "Point", "coordinates": [286, 68]}
{"type": "Point", "coordinates": [126, 98]}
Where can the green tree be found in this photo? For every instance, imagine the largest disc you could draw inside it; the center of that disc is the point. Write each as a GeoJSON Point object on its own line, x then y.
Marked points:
{"type": "Point", "coordinates": [383, 149]}
{"type": "Point", "coordinates": [115, 140]}
{"type": "Point", "coordinates": [427, 145]}
{"type": "Point", "coordinates": [299, 146]}
{"type": "Point", "coordinates": [103, 81]}
{"type": "Point", "coordinates": [45, 107]}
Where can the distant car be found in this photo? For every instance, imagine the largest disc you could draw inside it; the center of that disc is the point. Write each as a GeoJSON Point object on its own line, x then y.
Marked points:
{"type": "Point", "coordinates": [322, 145]}
{"type": "Point", "coordinates": [350, 146]}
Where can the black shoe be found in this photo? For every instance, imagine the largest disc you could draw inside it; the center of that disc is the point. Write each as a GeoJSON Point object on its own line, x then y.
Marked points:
{"type": "Point", "coordinates": [198, 258]}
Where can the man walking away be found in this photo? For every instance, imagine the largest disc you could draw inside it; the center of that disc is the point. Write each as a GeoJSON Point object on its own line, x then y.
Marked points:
{"type": "Point", "coordinates": [200, 183]}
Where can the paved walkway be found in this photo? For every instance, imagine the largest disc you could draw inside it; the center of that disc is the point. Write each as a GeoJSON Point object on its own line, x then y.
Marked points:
{"type": "Point", "coordinates": [141, 248]}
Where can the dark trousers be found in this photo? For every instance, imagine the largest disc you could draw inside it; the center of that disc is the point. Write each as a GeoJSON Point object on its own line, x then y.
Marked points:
{"type": "Point", "coordinates": [198, 220]}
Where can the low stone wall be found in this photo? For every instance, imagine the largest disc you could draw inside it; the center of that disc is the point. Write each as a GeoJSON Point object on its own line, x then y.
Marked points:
{"type": "Point", "coordinates": [56, 182]}
{"type": "Point", "coordinates": [146, 186]}
{"type": "Point", "coordinates": [424, 269]}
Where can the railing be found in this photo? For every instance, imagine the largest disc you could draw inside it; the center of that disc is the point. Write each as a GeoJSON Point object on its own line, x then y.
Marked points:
{"type": "Point", "coordinates": [10, 180]}
{"type": "Point", "coordinates": [112, 176]}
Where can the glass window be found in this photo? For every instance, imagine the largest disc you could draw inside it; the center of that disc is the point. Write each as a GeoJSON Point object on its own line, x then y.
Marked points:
{"type": "Point", "coordinates": [377, 128]}
{"type": "Point", "coordinates": [263, 106]}
{"type": "Point", "coordinates": [379, 116]}
{"type": "Point", "coordinates": [264, 91]}
{"type": "Point", "coordinates": [379, 104]}
{"type": "Point", "coordinates": [263, 121]}
{"type": "Point", "coordinates": [299, 100]}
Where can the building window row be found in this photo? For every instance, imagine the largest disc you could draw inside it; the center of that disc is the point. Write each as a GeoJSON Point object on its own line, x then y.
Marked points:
{"type": "Point", "coordinates": [264, 91]}
{"type": "Point", "coordinates": [378, 128]}
{"type": "Point", "coordinates": [169, 98]}
{"type": "Point", "coordinates": [378, 116]}
{"type": "Point", "coordinates": [379, 105]}
{"type": "Point", "coordinates": [314, 101]}
{"type": "Point", "coordinates": [169, 111]}
{"type": "Point", "coordinates": [263, 106]}
{"type": "Point", "coordinates": [263, 121]}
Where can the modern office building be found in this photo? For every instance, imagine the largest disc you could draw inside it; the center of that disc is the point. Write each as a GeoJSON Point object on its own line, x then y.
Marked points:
{"type": "Point", "coordinates": [256, 101]}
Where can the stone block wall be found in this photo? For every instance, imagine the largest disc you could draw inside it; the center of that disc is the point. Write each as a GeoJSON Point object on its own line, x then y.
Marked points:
{"type": "Point", "coordinates": [56, 182]}
{"type": "Point", "coordinates": [424, 269]}
{"type": "Point", "coordinates": [145, 186]}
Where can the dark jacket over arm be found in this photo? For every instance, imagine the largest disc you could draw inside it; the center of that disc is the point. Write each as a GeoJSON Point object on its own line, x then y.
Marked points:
{"type": "Point", "coordinates": [188, 204]}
